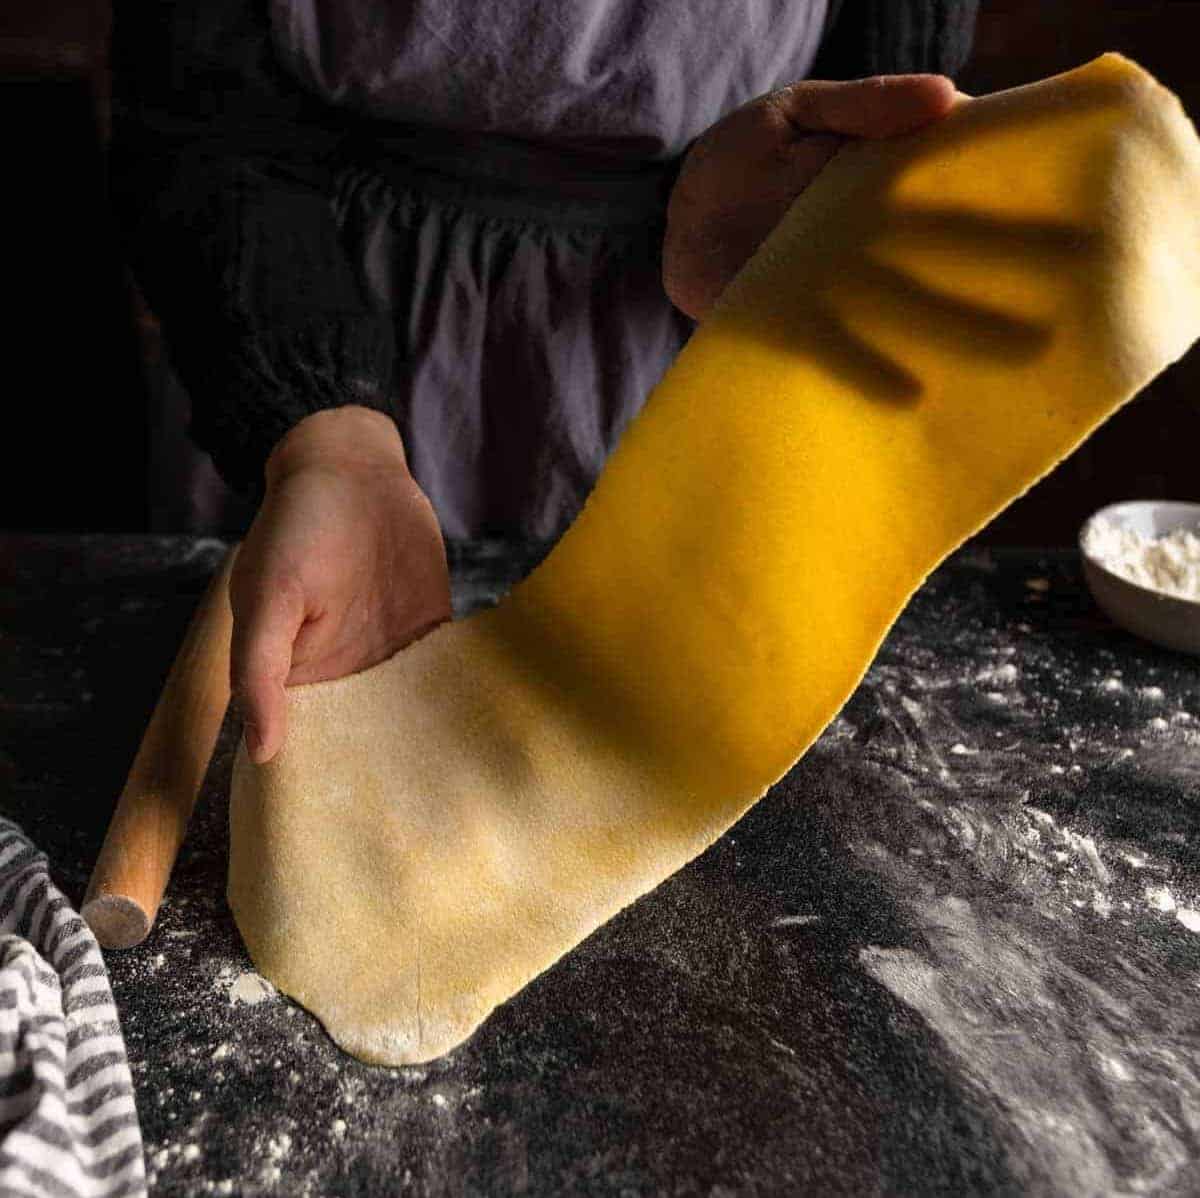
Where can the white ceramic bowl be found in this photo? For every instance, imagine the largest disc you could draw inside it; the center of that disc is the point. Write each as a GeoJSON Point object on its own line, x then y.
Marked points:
{"type": "Point", "coordinates": [1164, 619]}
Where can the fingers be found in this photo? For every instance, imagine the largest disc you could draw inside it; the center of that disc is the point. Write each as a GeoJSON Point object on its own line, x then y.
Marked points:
{"type": "Point", "coordinates": [882, 106]}
{"type": "Point", "coordinates": [266, 623]}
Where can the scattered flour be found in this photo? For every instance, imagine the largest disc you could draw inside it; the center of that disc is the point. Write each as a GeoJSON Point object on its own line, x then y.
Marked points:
{"type": "Point", "coordinates": [1169, 564]}
{"type": "Point", "coordinates": [1115, 1068]}
{"type": "Point", "coordinates": [250, 989]}
{"type": "Point", "coordinates": [1189, 917]}
{"type": "Point", "coordinates": [1004, 675]}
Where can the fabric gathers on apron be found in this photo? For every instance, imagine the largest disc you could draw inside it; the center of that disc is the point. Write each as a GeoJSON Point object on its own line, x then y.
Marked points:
{"type": "Point", "coordinates": [507, 207]}
{"type": "Point", "coordinates": [529, 324]}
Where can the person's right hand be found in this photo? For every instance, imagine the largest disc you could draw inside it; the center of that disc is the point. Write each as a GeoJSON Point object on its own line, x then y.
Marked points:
{"type": "Point", "coordinates": [343, 565]}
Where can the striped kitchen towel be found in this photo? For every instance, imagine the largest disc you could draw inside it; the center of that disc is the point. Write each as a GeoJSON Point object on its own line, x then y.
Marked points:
{"type": "Point", "coordinates": [68, 1124]}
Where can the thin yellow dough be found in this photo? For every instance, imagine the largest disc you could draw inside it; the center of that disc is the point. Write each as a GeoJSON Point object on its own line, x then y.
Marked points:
{"type": "Point", "coordinates": [935, 323]}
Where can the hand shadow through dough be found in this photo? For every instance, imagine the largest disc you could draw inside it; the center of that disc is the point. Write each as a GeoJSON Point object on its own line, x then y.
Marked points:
{"type": "Point", "coordinates": [817, 327]}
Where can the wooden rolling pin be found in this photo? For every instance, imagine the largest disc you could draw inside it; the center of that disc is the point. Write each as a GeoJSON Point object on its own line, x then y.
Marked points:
{"type": "Point", "coordinates": [154, 808]}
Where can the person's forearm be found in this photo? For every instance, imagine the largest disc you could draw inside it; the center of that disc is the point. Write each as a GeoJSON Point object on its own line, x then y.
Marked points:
{"type": "Point", "coordinates": [349, 437]}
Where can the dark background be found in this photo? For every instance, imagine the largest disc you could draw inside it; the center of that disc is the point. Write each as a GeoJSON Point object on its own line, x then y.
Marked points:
{"type": "Point", "coordinates": [84, 444]}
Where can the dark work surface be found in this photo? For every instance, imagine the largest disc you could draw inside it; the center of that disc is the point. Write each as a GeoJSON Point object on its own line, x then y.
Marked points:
{"type": "Point", "coordinates": [955, 951]}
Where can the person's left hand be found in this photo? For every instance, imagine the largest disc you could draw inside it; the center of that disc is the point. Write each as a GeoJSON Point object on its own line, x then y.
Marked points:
{"type": "Point", "coordinates": [742, 175]}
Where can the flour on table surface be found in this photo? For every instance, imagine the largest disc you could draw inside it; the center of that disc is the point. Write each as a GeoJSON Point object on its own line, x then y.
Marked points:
{"type": "Point", "coordinates": [251, 988]}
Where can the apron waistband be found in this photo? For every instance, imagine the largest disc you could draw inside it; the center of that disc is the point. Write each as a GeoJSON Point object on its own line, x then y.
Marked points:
{"type": "Point", "coordinates": [516, 179]}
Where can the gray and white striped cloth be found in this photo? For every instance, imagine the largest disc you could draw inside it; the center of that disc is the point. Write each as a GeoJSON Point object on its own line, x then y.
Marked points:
{"type": "Point", "coordinates": [68, 1124]}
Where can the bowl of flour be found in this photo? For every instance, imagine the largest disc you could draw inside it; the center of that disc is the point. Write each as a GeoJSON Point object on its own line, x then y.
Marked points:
{"type": "Point", "coordinates": [1142, 563]}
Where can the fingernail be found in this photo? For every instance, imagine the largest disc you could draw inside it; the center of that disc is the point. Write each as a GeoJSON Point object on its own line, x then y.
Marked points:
{"type": "Point", "coordinates": [254, 742]}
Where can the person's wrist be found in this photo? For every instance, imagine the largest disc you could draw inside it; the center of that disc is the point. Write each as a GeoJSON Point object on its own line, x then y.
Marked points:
{"type": "Point", "coordinates": [351, 437]}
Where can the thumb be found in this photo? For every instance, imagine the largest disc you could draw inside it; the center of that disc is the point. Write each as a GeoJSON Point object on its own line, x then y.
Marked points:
{"type": "Point", "coordinates": [264, 633]}
{"type": "Point", "coordinates": [881, 106]}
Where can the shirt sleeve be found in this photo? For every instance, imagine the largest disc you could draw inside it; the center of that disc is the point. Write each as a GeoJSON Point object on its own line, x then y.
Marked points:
{"type": "Point", "coordinates": [895, 37]}
{"type": "Point", "coordinates": [220, 178]}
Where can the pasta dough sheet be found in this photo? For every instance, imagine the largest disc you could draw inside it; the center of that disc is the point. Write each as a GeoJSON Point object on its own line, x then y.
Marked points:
{"type": "Point", "coordinates": [937, 320]}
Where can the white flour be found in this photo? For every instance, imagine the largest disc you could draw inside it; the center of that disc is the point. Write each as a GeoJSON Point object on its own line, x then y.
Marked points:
{"type": "Point", "coordinates": [1170, 563]}
{"type": "Point", "coordinates": [250, 989]}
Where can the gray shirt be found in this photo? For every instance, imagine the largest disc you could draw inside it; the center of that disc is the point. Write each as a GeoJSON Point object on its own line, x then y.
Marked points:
{"type": "Point", "coordinates": [638, 78]}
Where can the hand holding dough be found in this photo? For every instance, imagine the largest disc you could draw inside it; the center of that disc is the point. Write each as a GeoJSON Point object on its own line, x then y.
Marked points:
{"type": "Point", "coordinates": [934, 324]}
